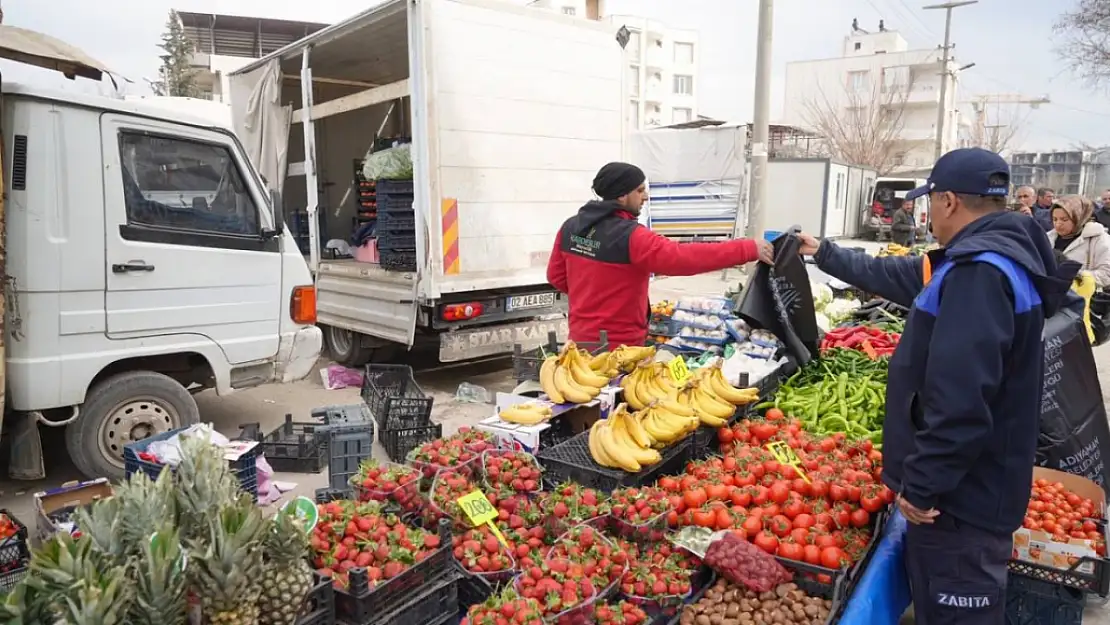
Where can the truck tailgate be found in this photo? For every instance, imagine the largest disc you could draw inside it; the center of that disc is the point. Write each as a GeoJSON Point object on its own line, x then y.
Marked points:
{"type": "Point", "coordinates": [365, 298]}
{"type": "Point", "coordinates": [524, 106]}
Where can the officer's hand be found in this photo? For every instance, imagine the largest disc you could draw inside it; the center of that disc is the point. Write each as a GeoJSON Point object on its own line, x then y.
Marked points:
{"type": "Point", "coordinates": [809, 244]}
{"type": "Point", "coordinates": [766, 251]}
{"type": "Point", "coordinates": [916, 515]}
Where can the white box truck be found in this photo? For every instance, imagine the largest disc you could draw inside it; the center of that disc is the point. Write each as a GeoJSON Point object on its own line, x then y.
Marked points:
{"type": "Point", "coordinates": [142, 262]}
{"type": "Point", "coordinates": [511, 110]}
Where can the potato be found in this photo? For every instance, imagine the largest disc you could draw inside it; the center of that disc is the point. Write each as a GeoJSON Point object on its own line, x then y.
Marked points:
{"type": "Point", "coordinates": [731, 610]}
{"type": "Point", "coordinates": [702, 619]}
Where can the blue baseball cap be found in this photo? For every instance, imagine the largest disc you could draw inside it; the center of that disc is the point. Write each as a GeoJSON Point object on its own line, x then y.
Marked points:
{"type": "Point", "coordinates": [970, 171]}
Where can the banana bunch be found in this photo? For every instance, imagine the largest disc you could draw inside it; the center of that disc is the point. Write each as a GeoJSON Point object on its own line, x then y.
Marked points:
{"type": "Point", "coordinates": [648, 382]}
{"type": "Point", "coordinates": [894, 249]}
{"type": "Point", "coordinates": [623, 358]}
{"type": "Point", "coordinates": [720, 388]}
{"type": "Point", "coordinates": [525, 414]}
{"type": "Point", "coordinates": [668, 421]}
{"type": "Point", "coordinates": [622, 442]}
{"type": "Point", "coordinates": [568, 378]}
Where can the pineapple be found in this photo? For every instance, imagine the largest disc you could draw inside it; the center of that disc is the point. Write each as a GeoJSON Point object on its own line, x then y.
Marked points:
{"type": "Point", "coordinates": [228, 569]}
{"type": "Point", "coordinates": [98, 598]}
{"type": "Point", "coordinates": [205, 484]}
{"type": "Point", "coordinates": [101, 523]}
{"type": "Point", "coordinates": [160, 581]}
{"type": "Point", "coordinates": [287, 578]}
{"type": "Point", "coordinates": [79, 584]}
{"type": "Point", "coordinates": [146, 506]}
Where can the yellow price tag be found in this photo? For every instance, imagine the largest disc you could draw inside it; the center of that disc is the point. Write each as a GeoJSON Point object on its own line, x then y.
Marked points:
{"type": "Point", "coordinates": [478, 509]}
{"type": "Point", "coordinates": [784, 454]}
{"type": "Point", "coordinates": [679, 372]}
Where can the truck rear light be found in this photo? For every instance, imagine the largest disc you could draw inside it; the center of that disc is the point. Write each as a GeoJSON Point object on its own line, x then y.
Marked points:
{"type": "Point", "coordinates": [302, 306]}
{"type": "Point", "coordinates": [462, 312]}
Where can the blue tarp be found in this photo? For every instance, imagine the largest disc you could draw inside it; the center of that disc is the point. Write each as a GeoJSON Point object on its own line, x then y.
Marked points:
{"type": "Point", "coordinates": [883, 592]}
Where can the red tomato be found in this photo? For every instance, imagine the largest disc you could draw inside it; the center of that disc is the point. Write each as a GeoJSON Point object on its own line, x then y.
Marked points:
{"type": "Point", "coordinates": [791, 551]}
{"type": "Point", "coordinates": [779, 493]}
{"type": "Point", "coordinates": [767, 542]}
{"type": "Point", "coordinates": [833, 558]}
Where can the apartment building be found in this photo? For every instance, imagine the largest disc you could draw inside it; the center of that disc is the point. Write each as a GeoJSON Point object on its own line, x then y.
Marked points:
{"type": "Point", "coordinates": [662, 82]}
{"type": "Point", "coordinates": [879, 68]}
{"type": "Point", "coordinates": [224, 43]}
{"type": "Point", "coordinates": [587, 9]}
{"type": "Point", "coordinates": [1064, 171]}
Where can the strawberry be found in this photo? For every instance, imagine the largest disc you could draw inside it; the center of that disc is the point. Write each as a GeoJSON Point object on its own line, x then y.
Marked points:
{"type": "Point", "coordinates": [386, 482]}
{"type": "Point", "coordinates": [505, 608]}
{"type": "Point", "coordinates": [623, 613]}
{"type": "Point", "coordinates": [559, 586]}
{"type": "Point", "coordinates": [514, 471]}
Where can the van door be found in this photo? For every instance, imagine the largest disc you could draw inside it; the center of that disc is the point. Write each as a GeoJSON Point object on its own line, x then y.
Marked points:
{"type": "Point", "coordinates": [184, 240]}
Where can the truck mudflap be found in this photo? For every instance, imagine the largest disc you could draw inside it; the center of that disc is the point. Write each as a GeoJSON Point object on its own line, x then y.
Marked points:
{"type": "Point", "coordinates": [470, 343]}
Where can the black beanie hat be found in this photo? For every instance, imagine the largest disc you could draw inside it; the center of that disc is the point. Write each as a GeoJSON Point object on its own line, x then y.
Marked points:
{"type": "Point", "coordinates": [617, 179]}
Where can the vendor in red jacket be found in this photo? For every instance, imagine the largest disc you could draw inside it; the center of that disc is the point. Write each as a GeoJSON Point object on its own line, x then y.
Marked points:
{"type": "Point", "coordinates": [603, 258]}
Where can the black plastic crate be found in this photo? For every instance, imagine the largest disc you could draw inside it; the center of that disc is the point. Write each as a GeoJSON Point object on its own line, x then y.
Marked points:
{"type": "Point", "coordinates": [473, 589]}
{"type": "Point", "coordinates": [438, 601]}
{"type": "Point", "coordinates": [360, 604]}
{"type": "Point", "coordinates": [400, 441]}
{"type": "Point", "coordinates": [394, 397]}
{"type": "Point", "coordinates": [396, 204]}
{"type": "Point", "coordinates": [319, 604]}
{"type": "Point", "coordinates": [348, 414]}
{"type": "Point", "coordinates": [327, 495]}
{"type": "Point", "coordinates": [396, 221]}
{"type": "Point", "coordinates": [571, 460]}
{"type": "Point", "coordinates": [397, 260]}
{"type": "Point", "coordinates": [293, 447]}
{"type": "Point", "coordinates": [15, 554]}
{"type": "Point", "coordinates": [808, 578]}
{"type": "Point", "coordinates": [348, 446]}
{"type": "Point", "coordinates": [1097, 581]}
{"type": "Point", "coordinates": [399, 241]}
{"type": "Point", "coordinates": [1036, 602]}
{"type": "Point", "coordinates": [705, 578]}
{"type": "Point", "coordinates": [527, 363]}
{"type": "Point", "coordinates": [385, 186]}
{"type": "Point", "coordinates": [244, 468]}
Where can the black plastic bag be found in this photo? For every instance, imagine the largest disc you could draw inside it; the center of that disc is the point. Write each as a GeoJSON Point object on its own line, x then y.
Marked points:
{"type": "Point", "coordinates": [1074, 431]}
{"type": "Point", "coordinates": [779, 299]}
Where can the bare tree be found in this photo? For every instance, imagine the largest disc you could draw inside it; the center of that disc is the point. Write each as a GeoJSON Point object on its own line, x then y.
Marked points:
{"type": "Point", "coordinates": [1003, 133]}
{"type": "Point", "coordinates": [1085, 40]}
{"type": "Point", "coordinates": [861, 126]}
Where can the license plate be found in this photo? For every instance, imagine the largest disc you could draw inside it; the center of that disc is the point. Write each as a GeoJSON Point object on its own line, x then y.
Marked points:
{"type": "Point", "coordinates": [525, 302]}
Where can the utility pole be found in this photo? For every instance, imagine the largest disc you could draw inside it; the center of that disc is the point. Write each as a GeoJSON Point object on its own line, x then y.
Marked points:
{"type": "Point", "coordinates": [757, 189]}
{"type": "Point", "coordinates": [942, 106]}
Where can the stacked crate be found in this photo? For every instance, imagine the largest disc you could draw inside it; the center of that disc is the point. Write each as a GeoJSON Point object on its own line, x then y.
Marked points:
{"type": "Point", "coordinates": [396, 226]}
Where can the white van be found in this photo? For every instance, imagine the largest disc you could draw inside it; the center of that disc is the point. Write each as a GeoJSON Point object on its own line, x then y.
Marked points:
{"type": "Point", "coordinates": [143, 263]}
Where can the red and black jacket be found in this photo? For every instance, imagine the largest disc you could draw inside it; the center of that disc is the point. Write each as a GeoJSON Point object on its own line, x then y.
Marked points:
{"type": "Point", "coordinates": [602, 260]}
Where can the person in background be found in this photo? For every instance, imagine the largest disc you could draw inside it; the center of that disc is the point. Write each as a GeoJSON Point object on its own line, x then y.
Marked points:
{"type": "Point", "coordinates": [1078, 237]}
{"type": "Point", "coordinates": [1102, 211]}
{"type": "Point", "coordinates": [1026, 197]}
{"type": "Point", "coordinates": [603, 257]}
{"type": "Point", "coordinates": [902, 226]}
{"type": "Point", "coordinates": [1042, 210]}
{"type": "Point", "coordinates": [964, 389]}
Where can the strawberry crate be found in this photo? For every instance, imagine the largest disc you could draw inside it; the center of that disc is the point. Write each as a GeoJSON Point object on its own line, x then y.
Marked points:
{"type": "Point", "coordinates": [571, 460]}
{"type": "Point", "coordinates": [15, 553]}
{"type": "Point", "coordinates": [399, 442]}
{"type": "Point", "coordinates": [526, 363]}
{"type": "Point", "coordinates": [359, 604]}
{"type": "Point", "coordinates": [293, 447]}
{"type": "Point", "coordinates": [394, 397]}
{"type": "Point", "coordinates": [437, 602]}
{"type": "Point", "coordinates": [243, 467]}
{"type": "Point", "coordinates": [319, 603]}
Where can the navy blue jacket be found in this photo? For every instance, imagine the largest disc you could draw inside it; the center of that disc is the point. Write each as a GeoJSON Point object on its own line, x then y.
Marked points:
{"type": "Point", "coordinates": [963, 395]}
{"type": "Point", "coordinates": [1043, 216]}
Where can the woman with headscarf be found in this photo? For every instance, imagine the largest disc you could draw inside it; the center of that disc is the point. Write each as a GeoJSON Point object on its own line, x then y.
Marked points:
{"type": "Point", "coordinates": [603, 258]}
{"type": "Point", "coordinates": [1076, 236]}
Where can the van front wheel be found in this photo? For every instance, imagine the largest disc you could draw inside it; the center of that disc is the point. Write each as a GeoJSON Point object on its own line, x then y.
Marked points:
{"type": "Point", "coordinates": [122, 409]}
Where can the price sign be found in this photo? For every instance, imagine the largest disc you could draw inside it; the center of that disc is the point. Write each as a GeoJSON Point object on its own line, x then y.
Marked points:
{"type": "Point", "coordinates": [784, 454]}
{"type": "Point", "coordinates": [478, 509]}
{"type": "Point", "coordinates": [303, 510]}
{"type": "Point", "coordinates": [679, 372]}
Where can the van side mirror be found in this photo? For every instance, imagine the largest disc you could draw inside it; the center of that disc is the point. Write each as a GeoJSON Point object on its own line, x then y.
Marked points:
{"type": "Point", "coordinates": [277, 215]}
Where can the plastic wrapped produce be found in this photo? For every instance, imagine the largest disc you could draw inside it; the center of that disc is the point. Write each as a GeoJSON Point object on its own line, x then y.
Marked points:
{"type": "Point", "coordinates": [743, 563]}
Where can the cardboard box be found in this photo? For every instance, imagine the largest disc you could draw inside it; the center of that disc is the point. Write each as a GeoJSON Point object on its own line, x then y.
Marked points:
{"type": "Point", "coordinates": [1039, 547]}
{"type": "Point", "coordinates": [569, 419]}
{"type": "Point", "coordinates": [53, 504]}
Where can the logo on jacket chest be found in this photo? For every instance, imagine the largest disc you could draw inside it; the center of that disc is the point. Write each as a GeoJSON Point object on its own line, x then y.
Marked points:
{"type": "Point", "coordinates": [584, 245]}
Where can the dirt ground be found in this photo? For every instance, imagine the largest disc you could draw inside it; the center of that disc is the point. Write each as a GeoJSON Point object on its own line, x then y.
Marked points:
{"type": "Point", "coordinates": [268, 406]}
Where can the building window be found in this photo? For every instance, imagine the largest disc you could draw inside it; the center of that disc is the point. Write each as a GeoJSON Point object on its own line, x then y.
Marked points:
{"type": "Point", "coordinates": [634, 40]}
{"type": "Point", "coordinates": [681, 116]}
{"type": "Point", "coordinates": [634, 114]}
{"type": "Point", "coordinates": [684, 53]}
{"type": "Point", "coordinates": [857, 81]}
{"type": "Point", "coordinates": [180, 185]}
{"type": "Point", "coordinates": [569, 11]}
{"type": "Point", "coordinates": [858, 45]}
{"type": "Point", "coordinates": [683, 85]}
{"type": "Point", "coordinates": [634, 80]}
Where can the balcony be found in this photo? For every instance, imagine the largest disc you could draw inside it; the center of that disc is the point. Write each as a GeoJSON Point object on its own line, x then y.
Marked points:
{"type": "Point", "coordinates": [917, 95]}
{"type": "Point", "coordinates": [655, 55]}
{"type": "Point", "coordinates": [917, 134]}
{"type": "Point", "coordinates": [200, 60]}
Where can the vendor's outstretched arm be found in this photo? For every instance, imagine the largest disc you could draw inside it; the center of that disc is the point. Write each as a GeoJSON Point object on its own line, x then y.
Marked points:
{"type": "Point", "coordinates": [660, 255]}
{"type": "Point", "coordinates": [972, 334]}
{"type": "Point", "coordinates": [896, 278]}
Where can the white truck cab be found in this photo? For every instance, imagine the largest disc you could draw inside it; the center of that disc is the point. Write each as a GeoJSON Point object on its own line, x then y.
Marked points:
{"type": "Point", "coordinates": [144, 262]}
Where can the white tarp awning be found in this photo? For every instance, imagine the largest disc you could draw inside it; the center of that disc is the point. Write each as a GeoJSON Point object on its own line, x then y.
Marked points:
{"type": "Point", "coordinates": [34, 48]}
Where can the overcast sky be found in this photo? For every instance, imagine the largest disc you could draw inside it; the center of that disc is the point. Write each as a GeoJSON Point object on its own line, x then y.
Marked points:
{"type": "Point", "coordinates": [1008, 40]}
